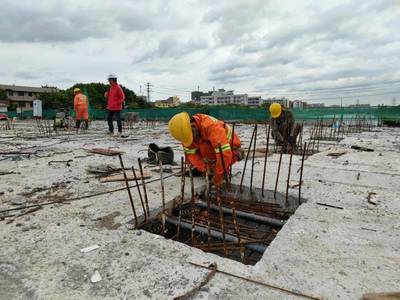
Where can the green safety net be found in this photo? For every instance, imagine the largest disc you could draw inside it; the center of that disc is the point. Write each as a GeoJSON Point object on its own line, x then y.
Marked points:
{"type": "Point", "coordinates": [391, 113]}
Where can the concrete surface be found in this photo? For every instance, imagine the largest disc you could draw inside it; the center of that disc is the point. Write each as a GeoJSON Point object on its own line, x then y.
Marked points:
{"type": "Point", "coordinates": [324, 252]}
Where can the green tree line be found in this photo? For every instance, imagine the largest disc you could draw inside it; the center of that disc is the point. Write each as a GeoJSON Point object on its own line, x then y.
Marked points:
{"type": "Point", "coordinates": [95, 93]}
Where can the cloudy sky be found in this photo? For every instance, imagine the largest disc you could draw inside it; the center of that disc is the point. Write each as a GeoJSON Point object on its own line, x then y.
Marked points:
{"type": "Point", "coordinates": [313, 50]}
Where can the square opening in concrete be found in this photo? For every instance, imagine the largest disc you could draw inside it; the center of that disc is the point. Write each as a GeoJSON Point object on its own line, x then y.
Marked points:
{"type": "Point", "coordinates": [235, 223]}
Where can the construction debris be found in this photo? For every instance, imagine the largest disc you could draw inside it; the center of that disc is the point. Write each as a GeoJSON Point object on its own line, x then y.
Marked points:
{"type": "Point", "coordinates": [362, 148]}
{"type": "Point", "coordinates": [90, 248]}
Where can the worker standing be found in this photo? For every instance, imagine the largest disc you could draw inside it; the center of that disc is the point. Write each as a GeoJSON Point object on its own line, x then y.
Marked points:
{"type": "Point", "coordinates": [203, 137]}
{"type": "Point", "coordinates": [81, 107]}
{"type": "Point", "coordinates": [115, 100]}
{"type": "Point", "coordinates": [283, 128]}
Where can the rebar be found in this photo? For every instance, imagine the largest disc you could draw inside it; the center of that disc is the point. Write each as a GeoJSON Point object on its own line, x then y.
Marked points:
{"type": "Point", "coordinates": [228, 184]}
{"type": "Point", "coordinates": [183, 171]}
{"type": "Point", "coordinates": [277, 174]}
{"type": "Point", "coordinates": [288, 179]}
{"type": "Point", "coordinates": [267, 130]}
{"type": "Point", "coordinates": [221, 218]}
{"type": "Point", "coordinates": [245, 162]}
{"type": "Point", "coordinates": [301, 171]}
{"type": "Point", "coordinates": [146, 213]}
{"type": "Point", "coordinates": [163, 217]}
{"type": "Point", "coordinates": [143, 184]}
{"type": "Point", "coordinates": [128, 189]}
{"type": "Point", "coordinates": [231, 142]}
{"type": "Point", "coordinates": [252, 161]}
{"type": "Point", "coordinates": [208, 208]}
{"type": "Point", "coordinates": [192, 201]}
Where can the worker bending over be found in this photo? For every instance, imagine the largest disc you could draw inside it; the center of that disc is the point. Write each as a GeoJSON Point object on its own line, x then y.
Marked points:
{"type": "Point", "coordinates": [81, 107]}
{"type": "Point", "coordinates": [283, 127]}
{"type": "Point", "coordinates": [203, 137]}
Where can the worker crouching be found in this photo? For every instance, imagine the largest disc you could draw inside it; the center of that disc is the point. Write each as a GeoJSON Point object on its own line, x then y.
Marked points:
{"type": "Point", "coordinates": [203, 138]}
{"type": "Point", "coordinates": [283, 127]}
{"type": "Point", "coordinates": [81, 107]}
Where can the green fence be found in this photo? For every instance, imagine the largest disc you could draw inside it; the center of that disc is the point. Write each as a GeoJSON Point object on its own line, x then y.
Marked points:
{"type": "Point", "coordinates": [391, 113]}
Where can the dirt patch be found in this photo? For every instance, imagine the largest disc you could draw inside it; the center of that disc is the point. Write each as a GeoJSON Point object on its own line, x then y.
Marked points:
{"type": "Point", "coordinates": [108, 221]}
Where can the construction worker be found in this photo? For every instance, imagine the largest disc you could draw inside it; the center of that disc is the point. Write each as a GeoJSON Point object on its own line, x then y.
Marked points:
{"type": "Point", "coordinates": [283, 128]}
{"type": "Point", "coordinates": [115, 100]}
{"type": "Point", "coordinates": [203, 137]}
{"type": "Point", "coordinates": [81, 107]}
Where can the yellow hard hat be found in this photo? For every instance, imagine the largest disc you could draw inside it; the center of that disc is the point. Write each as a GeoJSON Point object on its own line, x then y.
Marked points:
{"type": "Point", "coordinates": [76, 90]}
{"type": "Point", "coordinates": [275, 109]}
{"type": "Point", "coordinates": [180, 129]}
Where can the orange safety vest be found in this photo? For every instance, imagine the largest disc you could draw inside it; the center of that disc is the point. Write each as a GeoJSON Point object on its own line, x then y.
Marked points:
{"type": "Point", "coordinates": [80, 101]}
{"type": "Point", "coordinates": [205, 150]}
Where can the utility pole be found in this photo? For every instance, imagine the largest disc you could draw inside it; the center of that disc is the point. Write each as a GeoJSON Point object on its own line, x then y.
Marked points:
{"type": "Point", "coordinates": [148, 86]}
{"type": "Point", "coordinates": [394, 101]}
{"type": "Point", "coordinates": [341, 102]}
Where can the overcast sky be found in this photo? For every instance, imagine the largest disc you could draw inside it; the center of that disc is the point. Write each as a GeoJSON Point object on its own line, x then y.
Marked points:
{"type": "Point", "coordinates": [312, 50]}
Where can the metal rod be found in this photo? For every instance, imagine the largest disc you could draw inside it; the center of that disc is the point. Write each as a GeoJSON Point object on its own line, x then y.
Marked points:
{"type": "Point", "coordinates": [260, 248]}
{"type": "Point", "coordinates": [128, 189]}
{"type": "Point", "coordinates": [252, 161]}
{"type": "Point", "coordinates": [277, 174]}
{"type": "Point", "coordinates": [265, 157]}
{"type": "Point", "coordinates": [144, 185]}
{"type": "Point", "coordinates": [288, 179]}
{"type": "Point", "coordinates": [246, 215]}
{"type": "Point", "coordinates": [228, 184]}
{"type": "Point", "coordinates": [231, 142]}
{"type": "Point", "coordinates": [208, 208]}
{"type": "Point", "coordinates": [301, 171]}
{"type": "Point", "coordinates": [183, 170]}
{"type": "Point", "coordinates": [245, 162]}
{"type": "Point", "coordinates": [192, 201]}
{"type": "Point", "coordinates": [146, 214]}
{"type": "Point", "coordinates": [221, 219]}
{"type": "Point", "coordinates": [162, 197]}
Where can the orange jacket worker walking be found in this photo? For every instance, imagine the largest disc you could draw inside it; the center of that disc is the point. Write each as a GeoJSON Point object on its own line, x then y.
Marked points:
{"type": "Point", "coordinates": [202, 137]}
{"type": "Point", "coordinates": [81, 107]}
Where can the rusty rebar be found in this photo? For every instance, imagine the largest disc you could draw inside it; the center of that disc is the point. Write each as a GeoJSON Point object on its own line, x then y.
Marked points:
{"type": "Point", "coordinates": [192, 201]}
{"type": "Point", "coordinates": [146, 214]}
{"type": "Point", "coordinates": [144, 185]}
{"type": "Point", "coordinates": [277, 174]}
{"type": "Point", "coordinates": [221, 218]}
{"type": "Point", "coordinates": [208, 209]}
{"type": "Point", "coordinates": [228, 184]}
{"type": "Point", "coordinates": [231, 142]}
{"type": "Point", "coordinates": [183, 179]}
{"type": "Point", "coordinates": [128, 189]}
{"type": "Point", "coordinates": [267, 130]}
{"type": "Point", "coordinates": [252, 161]}
{"type": "Point", "coordinates": [288, 179]}
{"type": "Point", "coordinates": [301, 171]}
{"type": "Point", "coordinates": [162, 197]}
{"type": "Point", "coordinates": [245, 162]}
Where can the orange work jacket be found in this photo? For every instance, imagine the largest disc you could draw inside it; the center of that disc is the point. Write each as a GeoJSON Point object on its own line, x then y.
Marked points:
{"type": "Point", "coordinates": [204, 150]}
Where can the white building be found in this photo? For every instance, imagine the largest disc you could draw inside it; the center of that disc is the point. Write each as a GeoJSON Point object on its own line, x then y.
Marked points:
{"type": "Point", "coordinates": [222, 97]}
{"type": "Point", "coordinates": [254, 101]}
{"type": "Point", "coordinates": [298, 104]}
{"type": "Point", "coordinates": [283, 101]}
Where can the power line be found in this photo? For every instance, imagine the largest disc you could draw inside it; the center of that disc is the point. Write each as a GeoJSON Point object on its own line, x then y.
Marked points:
{"type": "Point", "coordinates": [148, 88]}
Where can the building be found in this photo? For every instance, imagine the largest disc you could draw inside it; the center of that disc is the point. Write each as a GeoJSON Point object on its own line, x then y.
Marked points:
{"type": "Point", "coordinates": [315, 105]}
{"type": "Point", "coordinates": [22, 97]}
{"type": "Point", "coordinates": [223, 97]}
{"type": "Point", "coordinates": [282, 101]}
{"type": "Point", "coordinates": [196, 95]}
{"type": "Point", "coordinates": [170, 102]}
{"type": "Point", "coordinates": [254, 101]}
{"type": "Point", "coordinates": [298, 104]}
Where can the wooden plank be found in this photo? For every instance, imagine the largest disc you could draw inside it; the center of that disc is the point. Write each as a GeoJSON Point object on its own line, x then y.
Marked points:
{"type": "Point", "coordinates": [382, 296]}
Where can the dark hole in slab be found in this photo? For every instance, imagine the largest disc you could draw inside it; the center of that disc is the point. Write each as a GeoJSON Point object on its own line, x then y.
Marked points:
{"type": "Point", "coordinates": [250, 222]}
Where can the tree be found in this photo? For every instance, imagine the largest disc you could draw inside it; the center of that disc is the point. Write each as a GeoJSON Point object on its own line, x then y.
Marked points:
{"type": "Point", "coordinates": [3, 94]}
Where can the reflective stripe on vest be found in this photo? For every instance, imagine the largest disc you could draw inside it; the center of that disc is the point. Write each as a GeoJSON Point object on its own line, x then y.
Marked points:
{"type": "Point", "coordinates": [189, 151]}
{"type": "Point", "coordinates": [226, 147]}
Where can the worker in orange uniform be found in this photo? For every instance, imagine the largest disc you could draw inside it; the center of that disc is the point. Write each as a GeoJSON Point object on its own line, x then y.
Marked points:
{"type": "Point", "coordinates": [81, 106]}
{"type": "Point", "coordinates": [203, 137]}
